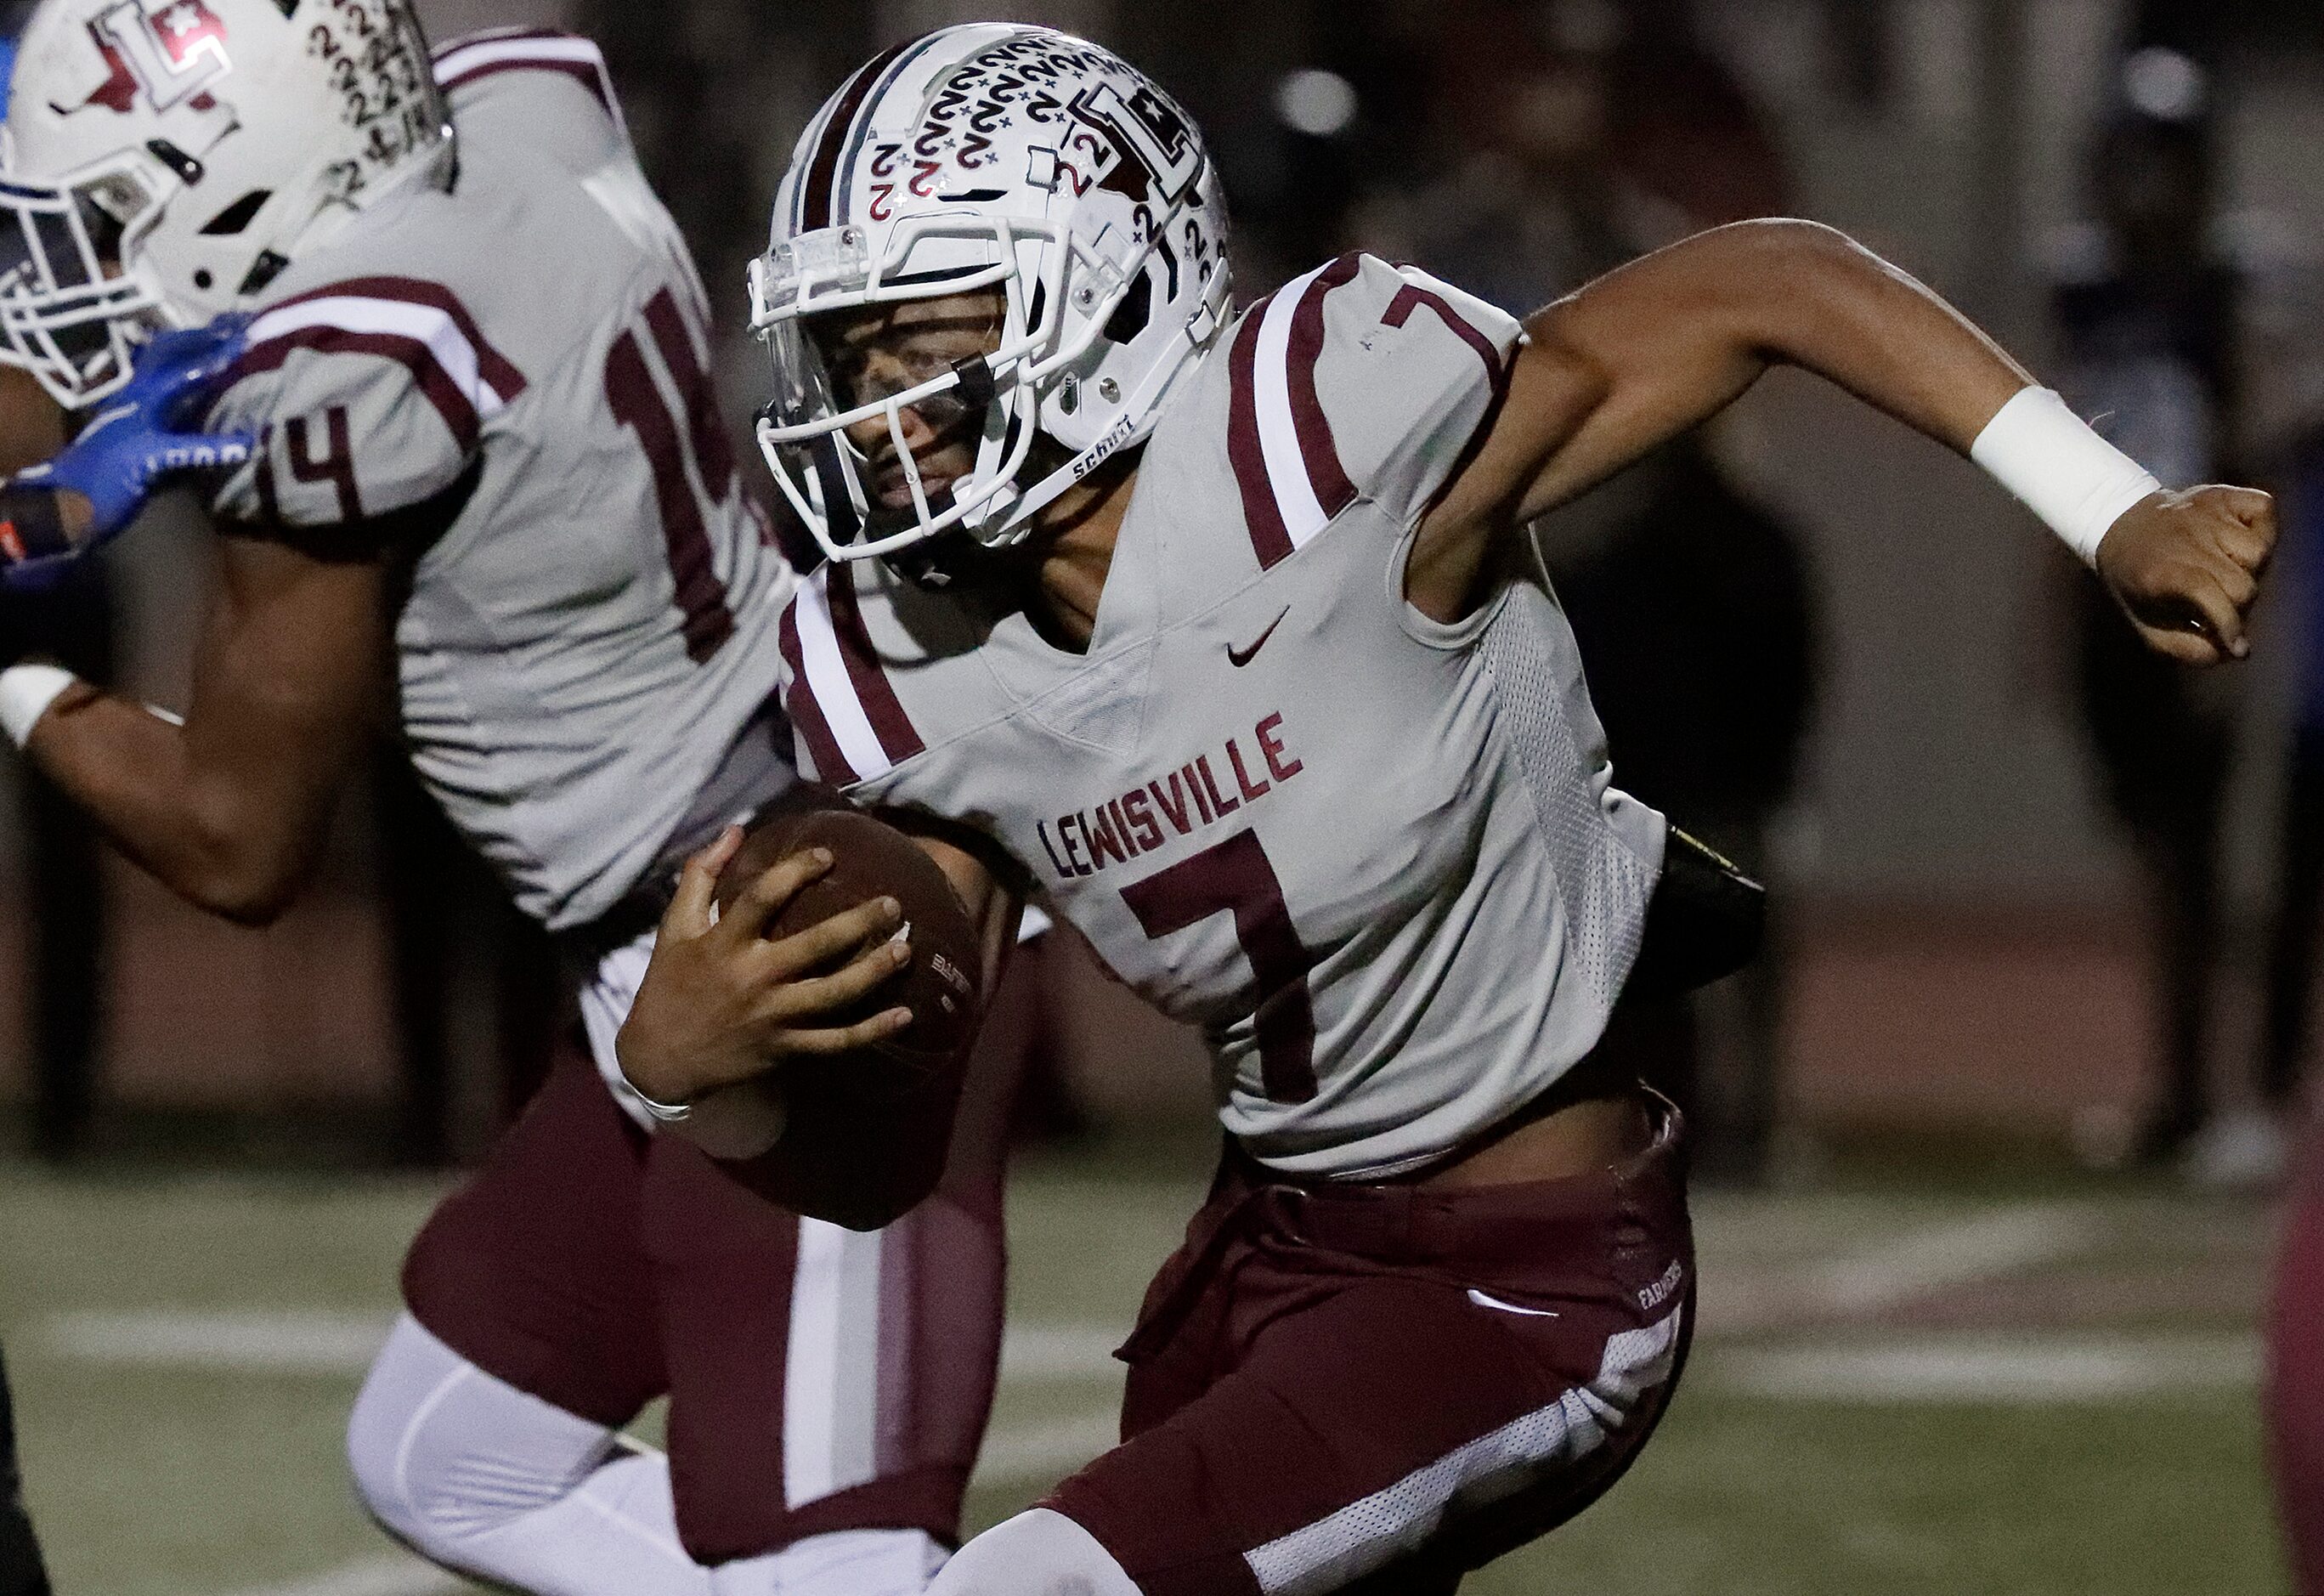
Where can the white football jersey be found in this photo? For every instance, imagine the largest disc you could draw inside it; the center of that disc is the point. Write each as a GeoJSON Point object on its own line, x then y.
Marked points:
{"type": "Point", "coordinates": [522, 362]}
{"type": "Point", "coordinates": [1379, 860]}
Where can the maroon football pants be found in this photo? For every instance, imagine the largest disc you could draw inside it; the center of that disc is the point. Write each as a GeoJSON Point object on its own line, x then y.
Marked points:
{"type": "Point", "coordinates": [819, 1380]}
{"type": "Point", "coordinates": [1378, 1387]}
{"type": "Point", "coordinates": [2295, 1386]}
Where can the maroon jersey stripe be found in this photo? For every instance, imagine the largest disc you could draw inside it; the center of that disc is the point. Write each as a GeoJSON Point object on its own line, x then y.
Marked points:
{"type": "Point", "coordinates": [1326, 474]}
{"type": "Point", "coordinates": [434, 383]}
{"type": "Point", "coordinates": [447, 50]}
{"type": "Point", "coordinates": [586, 74]}
{"type": "Point", "coordinates": [806, 715]}
{"type": "Point", "coordinates": [494, 366]}
{"type": "Point", "coordinates": [1260, 511]}
{"type": "Point", "coordinates": [897, 740]}
{"type": "Point", "coordinates": [816, 193]}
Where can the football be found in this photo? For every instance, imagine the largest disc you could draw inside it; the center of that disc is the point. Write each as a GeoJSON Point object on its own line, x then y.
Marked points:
{"type": "Point", "coordinates": [864, 1132]}
{"type": "Point", "coordinates": [871, 858]}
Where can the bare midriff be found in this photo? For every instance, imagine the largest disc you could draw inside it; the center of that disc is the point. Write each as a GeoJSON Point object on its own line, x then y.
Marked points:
{"type": "Point", "coordinates": [1596, 1133]}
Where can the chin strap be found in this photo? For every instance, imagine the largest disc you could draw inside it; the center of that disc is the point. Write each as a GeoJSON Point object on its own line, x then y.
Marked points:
{"type": "Point", "coordinates": [1145, 400]}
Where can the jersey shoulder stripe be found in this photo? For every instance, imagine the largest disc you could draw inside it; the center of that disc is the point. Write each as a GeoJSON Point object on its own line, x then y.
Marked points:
{"type": "Point", "coordinates": [854, 726]}
{"type": "Point", "coordinates": [865, 673]}
{"type": "Point", "coordinates": [1336, 393]}
{"type": "Point", "coordinates": [527, 49]}
{"type": "Point", "coordinates": [422, 326]}
{"type": "Point", "coordinates": [1286, 463]}
{"type": "Point", "coordinates": [822, 761]}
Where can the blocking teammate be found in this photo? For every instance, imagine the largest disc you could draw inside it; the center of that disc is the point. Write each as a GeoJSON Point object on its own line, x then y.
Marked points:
{"type": "Point", "coordinates": [490, 499]}
{"type": "Point", "coordinates": [1227, 635]}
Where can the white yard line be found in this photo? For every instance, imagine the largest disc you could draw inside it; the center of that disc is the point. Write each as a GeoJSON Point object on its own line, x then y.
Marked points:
{"type": "Point", "coordinates": [1898, 1269]}
{"type": "Point", "coordinates": [1958, 1254]}
{"type": "Point", "coordinates": [388, 1574]}
{"type": "Point", "coordinates": [1037, 1351]}
{"type": "Point", "coordinates": [1022, 1454]}
{"type": "Point", "coordinates": [311, 1342]}
{"type": "Point", "coordinates": [281, 1341]}
{"type": "Point", "coordinates": [1038, 1453]}
{"type": "Point", "coordinates": [2000, 1370]}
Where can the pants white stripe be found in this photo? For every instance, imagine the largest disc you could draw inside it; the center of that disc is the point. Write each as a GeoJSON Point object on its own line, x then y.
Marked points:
{"type": "Point", "coordinates": [831, 1377]}
{"type": "Point", "coordinates": [1368, 1534]}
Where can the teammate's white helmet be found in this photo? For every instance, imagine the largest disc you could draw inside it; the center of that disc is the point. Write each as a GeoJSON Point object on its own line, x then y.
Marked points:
{"type": "Point", "coordinates": [165, 159]}
{"type": "Point", "coordinates": [990, 154]}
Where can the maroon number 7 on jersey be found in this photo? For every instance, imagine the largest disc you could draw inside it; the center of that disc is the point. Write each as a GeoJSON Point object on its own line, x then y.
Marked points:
{"type": "Point", "coordinates": [1234, 876]}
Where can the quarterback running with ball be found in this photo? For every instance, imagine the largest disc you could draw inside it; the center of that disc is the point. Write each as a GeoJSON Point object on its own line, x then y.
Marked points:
{"type": "Point", "coordinates": [1227, 637]}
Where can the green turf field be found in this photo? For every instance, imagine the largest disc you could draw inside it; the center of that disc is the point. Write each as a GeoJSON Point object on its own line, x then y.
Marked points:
{"type": "Point", "coordinates": [1944, 1386]}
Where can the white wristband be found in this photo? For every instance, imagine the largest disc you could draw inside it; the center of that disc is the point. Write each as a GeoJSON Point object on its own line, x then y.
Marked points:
{"type": "Point", "coordinates": [2076, 481]}
{"type": "Point", "coordinates": [26, 691]}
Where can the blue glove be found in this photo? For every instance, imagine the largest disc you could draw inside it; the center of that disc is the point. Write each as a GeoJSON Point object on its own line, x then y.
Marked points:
{"type": "Point", "coordinates": [134, 444]}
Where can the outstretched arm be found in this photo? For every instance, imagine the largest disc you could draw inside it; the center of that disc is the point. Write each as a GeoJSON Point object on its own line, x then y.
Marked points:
{"type": "Point", "coordinates": [1648, 351]}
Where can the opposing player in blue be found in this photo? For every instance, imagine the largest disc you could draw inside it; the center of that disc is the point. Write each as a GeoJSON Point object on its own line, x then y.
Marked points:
{"type": "Point", "coordinates": [48, 516]}
{"type": "Point", "coordinates": [143, 438]}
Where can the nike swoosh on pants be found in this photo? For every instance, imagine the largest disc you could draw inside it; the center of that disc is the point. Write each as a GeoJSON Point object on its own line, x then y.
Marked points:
{"type": "Point", "coordinates": [1486, 1300]}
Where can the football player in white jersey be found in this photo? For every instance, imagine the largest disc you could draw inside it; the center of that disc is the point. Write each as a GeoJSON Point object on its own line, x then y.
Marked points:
{"type": "Point", "coordinates": [481, 497]}
{"type": "Point", "coordinates": [1227, 636]}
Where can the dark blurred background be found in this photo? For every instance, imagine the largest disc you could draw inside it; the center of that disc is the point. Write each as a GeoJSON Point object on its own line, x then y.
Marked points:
{"type": "Point", "coordinates": [2027, 887]}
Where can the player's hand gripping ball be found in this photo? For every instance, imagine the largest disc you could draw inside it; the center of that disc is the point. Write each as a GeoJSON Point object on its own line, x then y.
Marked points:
{"type": "Point", "coordinates": [871, 858]}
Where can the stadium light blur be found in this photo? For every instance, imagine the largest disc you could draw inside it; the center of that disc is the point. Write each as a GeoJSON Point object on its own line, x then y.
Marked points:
{"type": "Point", "coordinates": [1315, 102]}
{"type": "Point", "coordinates": [2164, 84]}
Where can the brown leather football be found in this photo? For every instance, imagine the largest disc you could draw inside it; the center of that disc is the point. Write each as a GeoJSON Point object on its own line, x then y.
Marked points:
{"type": "Point", "coordinates": [871, 858]}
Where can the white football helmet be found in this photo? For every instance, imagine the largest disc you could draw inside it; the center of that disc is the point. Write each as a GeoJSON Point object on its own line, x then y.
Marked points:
{"type": "Point", "coordinates": [165, 159]}
{"type": "Point", "coordinates": [990, 155]}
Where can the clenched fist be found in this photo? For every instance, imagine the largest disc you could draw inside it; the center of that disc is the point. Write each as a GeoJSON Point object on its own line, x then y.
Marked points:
{"type": "Point", "coordinates": [2185, 566]}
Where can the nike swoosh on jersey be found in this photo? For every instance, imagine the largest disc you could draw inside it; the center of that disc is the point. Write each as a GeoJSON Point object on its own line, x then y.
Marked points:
{"type": "Point", "coordinates": [1238, 657]}
{"type": "Point", "coordinates": [1486, 1300]}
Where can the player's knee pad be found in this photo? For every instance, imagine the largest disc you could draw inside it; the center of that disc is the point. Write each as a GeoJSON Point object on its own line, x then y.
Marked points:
{"type": "Point", "coordinates": [1038, 1553]}
{"type": "Point", "coordinates": [443, 1453]}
